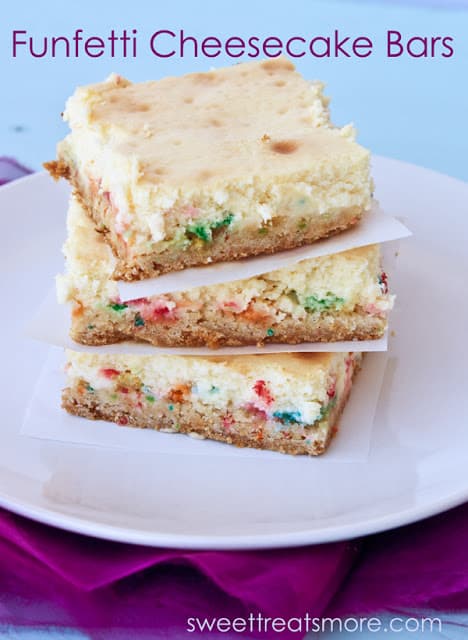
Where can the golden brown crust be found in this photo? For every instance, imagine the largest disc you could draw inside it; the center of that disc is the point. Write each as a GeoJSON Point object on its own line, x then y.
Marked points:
{"type": "Point", "coordinates": [57, 169]}
{"type": "Point", "coordinates": [215, 328]}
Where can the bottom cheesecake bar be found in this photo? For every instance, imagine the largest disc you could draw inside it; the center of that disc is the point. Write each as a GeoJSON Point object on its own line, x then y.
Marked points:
{"type": "Point", "coordinates": [288, 402]}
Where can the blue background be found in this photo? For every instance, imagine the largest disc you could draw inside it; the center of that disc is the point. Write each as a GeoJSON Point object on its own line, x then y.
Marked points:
{"type": "Point", "coordinates": [411, 109]}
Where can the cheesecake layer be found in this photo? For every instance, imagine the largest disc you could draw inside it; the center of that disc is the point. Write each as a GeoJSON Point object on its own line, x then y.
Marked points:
{"type": "Point", "coordinates": [337, 297]}
{"type": "Point", "coordinates": [284, 402]}
{"type": "Point", "coordinates": [211, 166]}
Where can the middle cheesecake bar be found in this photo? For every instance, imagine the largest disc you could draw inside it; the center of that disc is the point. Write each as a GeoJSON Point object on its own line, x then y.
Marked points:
{"type": "Point", "coordinates": [341, 296]}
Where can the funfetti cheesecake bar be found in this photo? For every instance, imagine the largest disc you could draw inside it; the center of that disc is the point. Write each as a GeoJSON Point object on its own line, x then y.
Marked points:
{"type": "Point", "coordinates": [211, 166]}
{"type": "Point", "coordinates": [284, 402]}
{"type": "Point", "coordinates": [336, 297]}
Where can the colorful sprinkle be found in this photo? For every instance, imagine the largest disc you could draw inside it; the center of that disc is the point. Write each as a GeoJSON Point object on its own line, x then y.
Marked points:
{"type": "Point", "coordinates": [259, 413]}
{"type": "Point", "coordinates": [136, 302]}
{"type": "Point", "coordinates": [109, 373]}
{"type": "Point", "coordinates": [270, 332]}
{"type": "Point", "coordinates": [383, 282]}
{"type": "Point", "coordinates": [117, 306]}
{"type": "Point", "coordinates": [179, 392]}
{"type": "Point", "coordinates": [91, 327]}
{"type": "Point", "coordinates": [331, 391]}
{"type": "Point", "coordinates": [325, 410]}
{"type": "Point", "coordinates": [225, 222]}
{"type": "Point", "coordinates": [139, 322]}
{"type": "Point", "coordinates": [123, 420]}
{"type": "Point", "coordinates": [201, 231]}
{"type": "Point", "coordinates": [150, 398]}
{"type": "Point", "coordinates": [262, 391]}
{"type": "Point", "coordinates": [288, 417]}
{"type": "Point", "coordinates": [263, 230]}
{"type": "Point", "coordinates": [89, 388]}
{"type": "Point", "coordinates": [330, 301]}
{"type": "Point", "coordinates": [205, 231]}
{"type": "Point", "coordinates": [228, 421]}
{"type": "Point", "coordinates": [155, 309]}
{"type": "Point", "coordinates": [170, 407]}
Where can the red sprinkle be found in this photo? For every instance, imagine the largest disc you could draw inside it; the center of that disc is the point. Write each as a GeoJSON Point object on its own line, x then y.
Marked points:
{"type": "Point", "coordinates": [123, 389]}
{"type": "Point", "coordinates": [331, 391]}
{"type": "Point", "coordinates": [109, 373]}
{"type": "Point", "coordinates": [157, 309]}
{"type": "Point", "coordinates": [123, 420]}
{"type": "Point", "coordinates": [229, 304]}
{"type": "Point", "coordinates": [228, 421]}
{"type": "Point", "coordinates": [384, 280]}
{"type": "Point", "coordinates": [259, 413]}
{"type": "Point", "coordinates": [263, 392]}
{"type": "Point", "coordinates": [138, 301]}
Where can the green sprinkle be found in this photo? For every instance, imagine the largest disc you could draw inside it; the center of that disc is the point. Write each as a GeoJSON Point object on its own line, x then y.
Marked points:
{"type": "Point", "coordinates": [325, 410]}
{"type": "Point", "coordinates": [263, 231]}
{"type": "Point", "coordinates": [288, 417]}
{"type": "Point", "coordinates": [139, 322]}
{"type": "Point", "coordinates": [150, 398]}
{"type": "Point", "coordinates": [116, 306]}
{"type": "Point", "coordinates": [225, 222]}
{"type": "Point", "coordinates": [170, 407]}
{"type": "Point", "coordinates": [201, 231]}
{"type": "Point", "coordinates": [214, 389]}
{"type": "Point", "coordinates": [303, 224]}
{"type": "Point", "coordinates": [91, 326]}
{"type": "Point", "coordinates": [301, 201]}
{"type": "Point", "coordinates": [89, 388]}
{"type": "Point", "coordinates": [177, 426]}
{"type": "Point", "coordinates": [113, 396]}
{"type": "Point", "coordinates": [270, 332]}
{"type": "Point", "coordinates": [205, 231]}
{"type": "Point", "coordinates": [330, 301]}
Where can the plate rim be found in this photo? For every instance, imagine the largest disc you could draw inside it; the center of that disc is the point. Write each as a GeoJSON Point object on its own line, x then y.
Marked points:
{"type": "Point", "coordinates": [198, 542]}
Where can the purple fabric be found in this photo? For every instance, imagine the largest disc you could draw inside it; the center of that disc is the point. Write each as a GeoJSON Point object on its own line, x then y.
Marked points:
{"type": "Point", "coordinates": [50, 577]}
{"type": "Point", "coordinates": [72, 580]}
{"type": "Point", "coordinates": [10, 169]}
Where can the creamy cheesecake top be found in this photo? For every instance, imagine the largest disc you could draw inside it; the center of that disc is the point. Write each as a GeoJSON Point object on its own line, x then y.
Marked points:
{"type": "Point", "coordinates": [236, 123]}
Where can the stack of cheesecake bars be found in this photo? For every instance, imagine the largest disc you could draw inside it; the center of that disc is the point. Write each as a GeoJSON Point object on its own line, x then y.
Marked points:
{"type": "Point", "coordinates": [199, 170]}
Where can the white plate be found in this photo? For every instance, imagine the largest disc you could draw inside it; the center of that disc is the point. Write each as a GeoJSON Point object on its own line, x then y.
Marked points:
{"type": "Point", "coordinates": [419, 453]}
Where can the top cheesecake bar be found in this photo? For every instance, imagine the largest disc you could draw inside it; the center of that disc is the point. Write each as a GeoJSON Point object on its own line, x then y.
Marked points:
{"type": "Point", "coordinates": [211, 166]}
